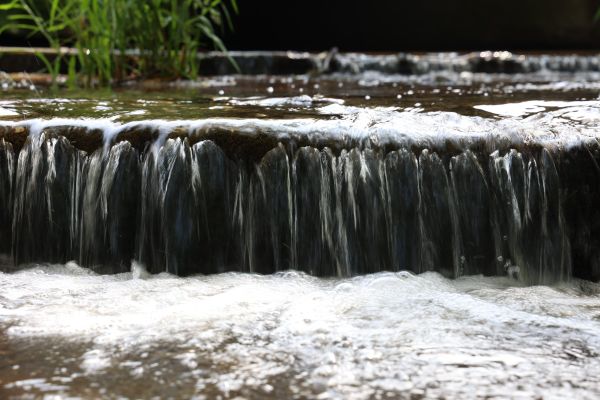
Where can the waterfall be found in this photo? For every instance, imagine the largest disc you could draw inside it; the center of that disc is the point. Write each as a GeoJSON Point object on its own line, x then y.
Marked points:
{"type": "Point", "coordinates": [190, 206]}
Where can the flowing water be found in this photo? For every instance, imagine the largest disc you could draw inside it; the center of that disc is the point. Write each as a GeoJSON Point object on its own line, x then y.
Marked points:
{"type": "Point", "coordinates": [68, 331]}
{"type": "Point", "coordinates": [392, 228]}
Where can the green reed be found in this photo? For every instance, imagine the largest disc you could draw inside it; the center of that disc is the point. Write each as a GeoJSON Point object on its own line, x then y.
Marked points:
{"type": "Point", "coordinates": [117, 40]}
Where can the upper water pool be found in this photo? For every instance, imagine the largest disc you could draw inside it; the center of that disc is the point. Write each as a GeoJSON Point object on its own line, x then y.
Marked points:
{"type": "Point", "coordinates": [418, 83]}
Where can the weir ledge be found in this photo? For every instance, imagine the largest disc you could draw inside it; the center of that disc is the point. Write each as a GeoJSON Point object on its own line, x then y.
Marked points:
{"type": "Point", "coordinates": [218, 195]}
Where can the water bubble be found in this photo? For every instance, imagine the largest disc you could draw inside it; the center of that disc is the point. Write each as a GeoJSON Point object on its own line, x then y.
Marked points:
{"type": "Point", "coordinates": [344, 287]}
{"type": "Point", "coordinates": [404, 274]}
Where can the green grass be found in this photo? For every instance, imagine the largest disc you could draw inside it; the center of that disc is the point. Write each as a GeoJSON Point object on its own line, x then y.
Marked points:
{"type": "Point", "coordinates": [165, 35]}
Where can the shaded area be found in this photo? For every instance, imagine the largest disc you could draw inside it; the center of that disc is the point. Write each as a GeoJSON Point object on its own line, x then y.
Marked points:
{"type": "Point", "coordinates": [435, 25]}
{"type": "Point", "coordinates": [431, 25]}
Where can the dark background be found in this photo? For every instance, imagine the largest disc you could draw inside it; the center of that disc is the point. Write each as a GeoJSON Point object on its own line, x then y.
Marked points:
{"type": "Point", "coordinates": [425, 25]}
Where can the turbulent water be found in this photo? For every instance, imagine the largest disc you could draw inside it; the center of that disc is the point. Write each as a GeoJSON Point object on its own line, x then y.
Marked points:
{"type": "Point", "coordinates": [186, 209]}
{"type": "Point", "coordinates": [403, 205]}
{"type": "Point", "coordinates": [368, 190]}
{"type": "Point", "coordinates": [70, 332]}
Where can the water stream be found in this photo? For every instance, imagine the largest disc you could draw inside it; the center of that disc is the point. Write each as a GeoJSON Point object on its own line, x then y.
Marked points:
{"type": "Point", "coordinates": [370, 232]}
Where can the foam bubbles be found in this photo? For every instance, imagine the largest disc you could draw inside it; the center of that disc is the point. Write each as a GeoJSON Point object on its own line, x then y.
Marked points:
{"type": "Point", "coordinates": [549, 123]}
{"type": "Point", "coordinates": [300, 336]}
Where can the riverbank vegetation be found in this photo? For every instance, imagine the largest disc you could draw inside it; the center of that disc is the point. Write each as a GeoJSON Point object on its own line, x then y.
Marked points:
{"type": "Point", "coordinates": [120, 40]}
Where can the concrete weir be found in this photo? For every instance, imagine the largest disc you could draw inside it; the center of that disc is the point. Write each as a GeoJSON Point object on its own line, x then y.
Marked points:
{"type": "Point", "coordinates": [322, 196]}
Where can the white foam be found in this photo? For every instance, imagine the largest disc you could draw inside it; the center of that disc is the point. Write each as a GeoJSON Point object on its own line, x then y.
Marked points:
{"type": "Point", "coordinates": [95, 360]}
{"type": "Point", "coordinates": [561, 85]}
{"type": "Point", "coordinates": [346, 338]}
{"type": "Point", "coordinates": [5, 112]}
{"type": "Point", "coordinates": [294, 101]}
{"type": "Point", "coordinates": [552, 123]}
{"type": "Point", "coordinates": [536, 106]}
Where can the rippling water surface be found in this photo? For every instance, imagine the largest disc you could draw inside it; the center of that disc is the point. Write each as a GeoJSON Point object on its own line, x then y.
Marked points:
{"type": "Point", "coordinates": [66, 331]}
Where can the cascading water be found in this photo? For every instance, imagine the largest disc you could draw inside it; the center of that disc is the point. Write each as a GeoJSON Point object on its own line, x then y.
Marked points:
{"type": "Point", "coordinates": [191, 208]}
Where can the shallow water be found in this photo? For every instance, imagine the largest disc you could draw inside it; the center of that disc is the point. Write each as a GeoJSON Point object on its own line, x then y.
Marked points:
{"type": "Point", "coordinates": [269, 96]}
{"type": "Point", "coordinates": [66, 331]}
{"type": "Point", "coordinates": [547, 106]}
